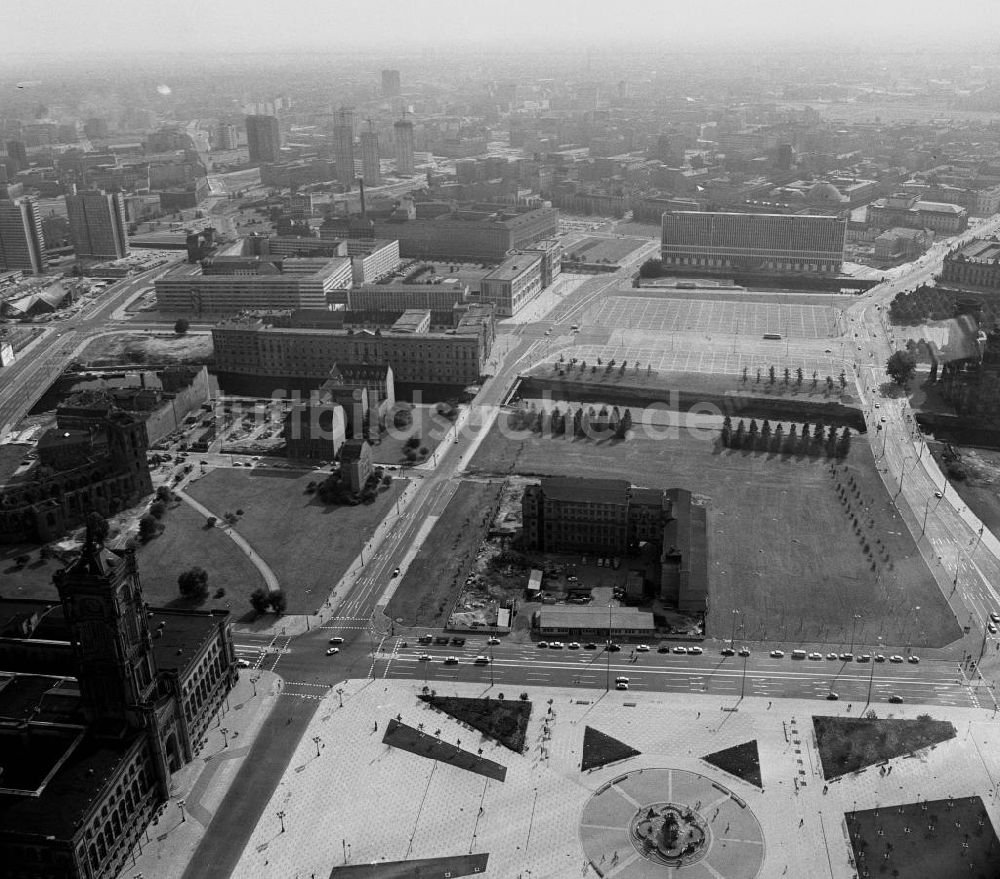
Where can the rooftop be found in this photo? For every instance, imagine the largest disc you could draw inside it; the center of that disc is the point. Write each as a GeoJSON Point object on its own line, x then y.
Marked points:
{"type": "Point", "coordinates": [179, 635]}
{"type": "Point", "coordinates": [591, 617]}
{"type": "Point", "coordinates": [514, 266]}
{"type": "Point", "coordinates": [577, 489]}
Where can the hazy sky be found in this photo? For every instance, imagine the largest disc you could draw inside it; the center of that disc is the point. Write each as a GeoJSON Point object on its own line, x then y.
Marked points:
{"type": "Point", "coordinates": [408, 25]}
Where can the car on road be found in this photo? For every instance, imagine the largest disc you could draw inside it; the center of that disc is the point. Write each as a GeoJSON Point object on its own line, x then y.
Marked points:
{"type": "Point", "coordinates": [832, 657]}
{"type": "Point", "coordinates": [336, 640]}
{"type": "Point", "coordinates": [482, 660]}
{"type": "Point", "coordinates": [991, 627]}
{"type": "Point", "coordinates": [573, 645]}
{"type": "Point", "coordinates": [995, 617]}
{"type": "Point", "coordinates": [395, 572]}
{"type": "Point", "coordinates": [938, 495]}
{"type": "Point", "coordinates": [622, 685]}
{"type": "Point", "coordinates": [425, 639]}
{"type": "Point", "coordinates": [451, 660]}
{"type": "Point", "coordinates": [895, 658]}
{"type": "Point", "coordinates": [864, 657]}
{"type": "Point", "coordinates": [642, 648]}
{"type": "Point", "coordinates": [777, 654]}
{"type": "Point", "coordinates": [614, 648]}
{"type": "Point", "coordinates": [458, 642]}
{"type": "Point", "coordinates": [896, 700]}
{"type": "Point", "coordinates": [913, 659]}
{"type": "Point", "coordinates": [680, 649]}
{"type": "Point", "coordinates": [695, 651]}
{"type": "Point", "coordinates": [728, 651]}
{"type": "Point", "coordinates": [492, 641]}
{"type": "Point", "coordinates": [242, 663]}
{"type": "Point", "coordinates": [543, 643]}
{"type": "Point", "coordinates": [332, 650]}
{"type": "Point", "coordinates": [203, 463]}
{"type": "Point", "coordinates": [832, 697]}
{"type": "Point", "coordinates": [556, 645]}
{"type": "Point", "coordinates": [798, 654]}
{"type": "Point", "coordinates": [590, 645]}
{"type": "Point", "coordinates": [846, 657]}
{"type": "Point", "coordinates": [424, 657]}
{"type": "Point", "coordinates": [744, 652]}
{"type": "Point", "coordinates": [441, 639]}
{"type": "Point", "coordinates": [878, 657]}
{"type": "Point", "coordinates": [883, 419]}
{"type": "Point", "coordinates": [815, 655]}
{"type": "Point", "coordinates": [621, 680]}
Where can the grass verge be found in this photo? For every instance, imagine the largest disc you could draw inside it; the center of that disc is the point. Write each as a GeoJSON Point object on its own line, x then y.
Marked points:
{"type": "Point", "coordinates": [504, 721]}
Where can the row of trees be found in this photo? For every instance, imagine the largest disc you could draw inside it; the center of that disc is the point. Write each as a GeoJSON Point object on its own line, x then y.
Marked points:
{"type": "Point", "coordinates": [579, 423]}
{"type": "Point", "coordinates": [562, 367]}
{"type": "Point", "coordinates": [788, 379]}
{"type": "Point", "coordinates": [816, 441]}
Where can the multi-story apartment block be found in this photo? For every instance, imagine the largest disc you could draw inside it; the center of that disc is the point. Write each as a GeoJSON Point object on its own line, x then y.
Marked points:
{"type": "Point", "coordinates": [723, 243]}
{"type": "Point", "coordinates": [263, 138]}
{"type": "Point", "coordinates": [97, 224]}
{"type": "Point", "coordinates": [22, 244]}
{"type": "Point", "coordinates": [513, 284]}
{"type": "Point", "coordinates": [343, 146]}
{"type": "Point", "coordinates": [455, 357]}
{"type": "Point", "coordinates": [228, 285]}
{"type": "Point", "coordinates": [442, 299]}
{"type": "Point", "coordinates": [226, 137]}
{"type": "Point", "coordinates": [404, 146]}
{"type": "Point", "coordinates": [372, 260]}
{"type": "Point", "coordinates": [371, 166]}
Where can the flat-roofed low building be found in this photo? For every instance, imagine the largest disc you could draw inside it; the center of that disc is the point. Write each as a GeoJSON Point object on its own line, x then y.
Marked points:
{"type": "Point", "coordinates": [596, 622]}
{"type": "Point", "coordinates": [413, 320]}
{"type": "Point", "coordinates": [513, 284]}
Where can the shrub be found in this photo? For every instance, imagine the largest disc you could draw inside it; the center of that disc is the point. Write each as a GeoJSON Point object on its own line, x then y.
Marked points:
{"type": "Point", "coordinates": [157, 509]}
{"type": "Point", "coordinates": [210, 522]}
{"type": "Point", "coordinates": [193, 583]}
{"type": "Point", "coordinates": [260, 599]}
{"type": "Point", "coordinates": [147, 527]}
{"type": "Point", "coordinates": [163, 493]}
{"type": "Point", "coordinates": [413, 442]}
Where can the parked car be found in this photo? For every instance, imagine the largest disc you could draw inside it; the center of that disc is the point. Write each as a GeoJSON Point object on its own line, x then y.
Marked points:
{"type": "Point", "coordinates": [336, 640]}
{"type": "Point", "coordinates": [695, 651]}
{"type": "Point", "coordinates": [331, 651]}
{"type": "Point", "coordinates": [242, 663]}
{"type": "Point", "coordinates": [573, 645]}
{"type": "Point", "coordinates": [441, 639]}
{"type": "Point", "coordinates": [913, 658]}
{"type": "Point", "coordinates": [680, 648]}
{"type": "Point", "coordinates": [895, 658]}
{"type": "Point", "coordinates": [621, 680]}
{"type": "Point", "coordinates": [831, 696]}
{"type": "Point", "coordinates": [995, 617]}
{"type": "Point", "coordinates": [864, 657]}
{"type": "Point", "coordinates": [833, 657]}
{"type": "Point", "coordinates": [642, 648]}
{"type": "Point", "coordinates": [543, 643]}
{"type": "Point", "coordinates": [590, 645]}
{"type": "Point", "coordinates": [458, 642]}
{"type": "Point", "coordinates": [878, 657]}
{"type": "Point", "coordinates": [814, 655]}
{"type": "Point", "coordinates": [744, 652]}
{"type": "Point", "coordinates": [777, 654]}
{"type": "Point", "coordinates": [556, 645]}
{"type": "Point", "coordinates": [728, 651]}
{"type": "Point", "coordinates": [482, 660]}
{"type": "Point", "coordinates": [451, 660]}
{"type": "Point", "coordinates": [425, 639]}
{"type": "Point", "coordinates": [621, 686]}
{"type": "Point", "coordinates": [395, 572]}
{"type": "Point", "coordinates": [846, 657]}
{"type": "Point", "coordinates": [492, 641]}
{"type": "Point", "coordinates": [896, 700]}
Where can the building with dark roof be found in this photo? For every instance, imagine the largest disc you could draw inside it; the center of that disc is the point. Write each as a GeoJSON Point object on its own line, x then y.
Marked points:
{"type": "Point", "coordinates": [355, 463]}
{"type": "Point", "coordinates": [975, 266]}
{"type": "Point", "coordinates": [613, 517]}
{"type": "Point", "coordinates": [87, 753]}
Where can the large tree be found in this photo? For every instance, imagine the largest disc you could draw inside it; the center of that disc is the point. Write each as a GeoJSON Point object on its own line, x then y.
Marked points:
{"type": "Point", "coordinates": [901, 366]}
{"type": "Point", "coordinates": [193, 583]}
{"type": "Point", "coordinates": [181, 327]}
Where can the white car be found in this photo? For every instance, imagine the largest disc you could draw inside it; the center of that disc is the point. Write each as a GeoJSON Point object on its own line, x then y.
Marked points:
{"type": "Point", "coordinates": [895, 658]}
{"type": "Point", "coordinates": [556, 645]}
{"type": "Point", "coordinates": [642, 648]}
{"type": "Point", "coordinates": [332, 651]}
{"type": "Point", "coordinates": [777, 654]}
{"type": "Point", "coordinates": [337, 640]}
{"type": "Point", "coordinates": [482, 660]}
{"type": "Point", "coordinates": [621, 685]}
{"type": "Point", "coordinates": [242, 663]}
{"type": "Point", "coordinates": [815, 655]}
{"type": "Point", "coordinates": [573, 645]}
{"type": "Point", "coordinates": [695, 651]}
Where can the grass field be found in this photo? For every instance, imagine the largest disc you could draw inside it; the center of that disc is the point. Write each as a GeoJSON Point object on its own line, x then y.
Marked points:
{"type": "Point", "coordinates": [184, 542]}
{"type": "Point", "coordinates": [598, 249]}
{"type": "Point", "coordinates": [308, 545]}
{"type": "Point", "coordinates": [846, 744]}
{"type": "Point", "coordinates": [436, 576]}
{"type": "Point", "coordinates": [925, 840]}
{"type": "Point", "coordinates": [505, 721]}
{"type": "Point", "coordinates": [743, 761]}
{"type": "Point", "coordinates": [783, 548]}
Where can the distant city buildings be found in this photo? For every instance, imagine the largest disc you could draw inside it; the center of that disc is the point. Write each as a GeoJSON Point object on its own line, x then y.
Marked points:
{"type": "Point", "coordinates": [403, 141]}
{"type": "Point", "coordinates": [909, 210]}
{"type": "Point", "coordinates": [975, 266]}
{"type": "Point", "coordinates": [226, 137]}
{"type": "Point", "coordinates": [263, 138]}
{"type": "Point", "coordinates": [97, 224]}
{"type": "Point", "coordinates": [390, 84]}
{"type": "Point", "coordinates": [727, 243]}
{"type": "Point", "coordinates": [22, 244]}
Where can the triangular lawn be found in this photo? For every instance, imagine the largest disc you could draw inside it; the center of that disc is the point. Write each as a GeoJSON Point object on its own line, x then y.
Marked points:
{"type": "Point", "coordinates": [847, 744]}
{"type": "Point", "coordinates": [743, 761]}
{"type": "Point", "coordinates": [505, 721]}
{"type": "Point", "coordinates": [600, 749]}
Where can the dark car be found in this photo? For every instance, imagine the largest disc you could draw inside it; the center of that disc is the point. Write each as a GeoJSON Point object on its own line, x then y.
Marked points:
{"type": "Point", "coordinates": [728, 651]}
{"type": "Point", "coordinates": [662, 649]}
{"type": "Point", "coordinates": [441, 639]}
{"type": "Point", "coordinates": [425, 639]}
{"type": "Point", "coordinates": [614, 648]}
{"type": "Point", "coordinates": [590, 646]}
{"type": "Point", "coordinates": [458, 642]}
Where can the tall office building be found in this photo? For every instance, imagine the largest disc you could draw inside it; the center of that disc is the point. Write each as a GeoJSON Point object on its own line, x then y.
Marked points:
{"type": "Point", "coordinates": [371, 168]}
{"type": "Point", "coordinates": [390, 84]}
{"type": "Point", "coordinates": [22, 245]}
{"type": "Point", "coordinates": [18, 154]}
{"type": "Point", "coordinates": [226, 137]}
{"type": "Point", "coordinates": [403, 131]}
{"type": "Point", "coordinates": [343, 146]}
{"type": "Point", "coordinates": [97, 224]}
{"type": "Point", "coordinates": [263, 138]}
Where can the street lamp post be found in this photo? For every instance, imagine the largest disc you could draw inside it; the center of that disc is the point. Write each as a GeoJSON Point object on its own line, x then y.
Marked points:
{"type": "Point", "coordinates": [927, 508]}
{"type": "Point", "coordinates": [871, 681]}
{"type": "Point", "coordinates": [183, 816]}
{"type": "Point", "coordinates": [225, 737]}
{"type": "Point", "coordinates": [732, 636]}
{"type": "Point", "coordinates": [854, 626]}
{"type": "Point", "coordinates": [281, 818]}
{"type": "Point", "coordinates": [316, 741]}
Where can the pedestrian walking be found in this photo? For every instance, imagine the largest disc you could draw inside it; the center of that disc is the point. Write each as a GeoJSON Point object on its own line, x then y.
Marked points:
{"type": "Point", "coordinates": [768, 706]}
{"type": "Point", "coordinates": [802, 821]}
{"type": "Point", "coordinates": [376, 727]}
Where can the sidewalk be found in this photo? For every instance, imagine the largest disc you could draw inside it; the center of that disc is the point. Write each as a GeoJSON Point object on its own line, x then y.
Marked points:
{"type": "Point", "coordinates": [202, 785]}
{"type": "Point", "coordinates": [361, 801]}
